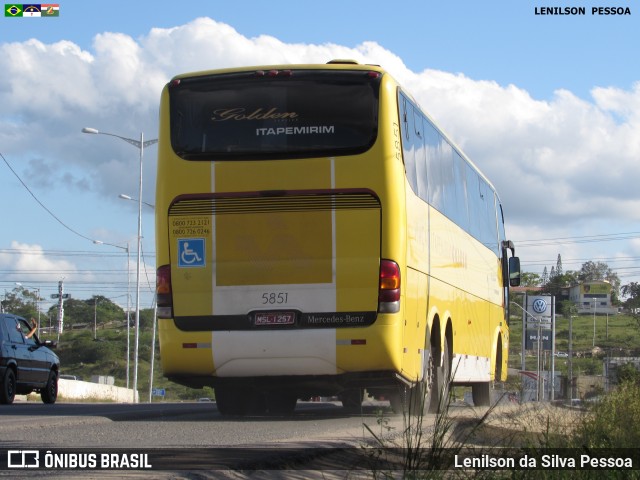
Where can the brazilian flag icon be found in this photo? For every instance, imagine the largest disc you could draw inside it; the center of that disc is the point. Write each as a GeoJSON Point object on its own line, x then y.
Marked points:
{"type": "Point", "coordinates": [13, 10]}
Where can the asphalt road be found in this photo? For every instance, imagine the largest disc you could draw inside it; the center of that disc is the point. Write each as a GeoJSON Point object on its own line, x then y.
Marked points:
{"type": "Point", "coordinates": [190, 434]}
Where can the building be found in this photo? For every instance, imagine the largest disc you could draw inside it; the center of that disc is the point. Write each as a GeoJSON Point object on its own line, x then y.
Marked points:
{"type": "Point", "coordinates": [593, 298]}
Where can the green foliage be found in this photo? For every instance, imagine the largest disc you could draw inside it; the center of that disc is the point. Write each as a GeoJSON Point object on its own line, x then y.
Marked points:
{"type": "Point", "coordinates": [84, 357]}
{"type": "Point", "coordinates": [557, 282]}
{"type": "Point", "coordinates": [567, 308]}
{"type": "Point", "coordinates": [594, 271]}
{"type": "Point", "coordinates": [632, 292]}
{"type": "Point", "coordinates": [621, 338]}
{"type": "Point", "coordinates": [553, 283]}
{"type": "Point", "coordinates": [613, 421]}
{"type": "Point", "coordinates": [97, 309]}
{"type": "Point", "coordinates": [528, 279]}
{"type": "Point", "coordinates": [628, 373]}
{"type": "Point", "coordinates": [146, 319]}
{"type": "Point", "coordinates": [81, 348]}
{"type": "Point", "coordinates": [21, 301]}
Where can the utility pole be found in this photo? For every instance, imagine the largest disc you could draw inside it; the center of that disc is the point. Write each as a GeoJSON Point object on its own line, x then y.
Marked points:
{"type": "Point", "coordinates": [60, 307]}
{"type": "Point", "coordinates": [570, 358]}
{"type": "Point", "coordinates": [61, 296]}
{"type": "Point", "coordinates": [95, 318]}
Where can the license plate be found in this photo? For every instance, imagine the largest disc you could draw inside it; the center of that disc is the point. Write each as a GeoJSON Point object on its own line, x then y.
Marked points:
{"type": "Point", "coordinates": [275, 318]}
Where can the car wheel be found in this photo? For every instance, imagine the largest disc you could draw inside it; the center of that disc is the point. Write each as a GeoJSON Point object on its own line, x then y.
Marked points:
{"type": "Point", "coordinates": [8, 390]}
{"type": "Point", "coordinates": [49, 393]}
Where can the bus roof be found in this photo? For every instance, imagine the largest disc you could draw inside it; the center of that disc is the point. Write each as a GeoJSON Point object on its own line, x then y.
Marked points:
{"type": "Point", "coordinates": [337, 64]}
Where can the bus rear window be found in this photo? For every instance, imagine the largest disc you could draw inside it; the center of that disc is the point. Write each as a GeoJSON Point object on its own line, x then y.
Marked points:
{"type": "Point", "coordinates": [255, 115]}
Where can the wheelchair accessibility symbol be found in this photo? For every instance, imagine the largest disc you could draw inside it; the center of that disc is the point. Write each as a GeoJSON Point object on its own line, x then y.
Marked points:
{"type": "Point", "coordinates": [191, 252]}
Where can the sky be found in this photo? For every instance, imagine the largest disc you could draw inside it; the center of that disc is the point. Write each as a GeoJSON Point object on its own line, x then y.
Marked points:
{"type": "Point", "coordinates": [547, 106]}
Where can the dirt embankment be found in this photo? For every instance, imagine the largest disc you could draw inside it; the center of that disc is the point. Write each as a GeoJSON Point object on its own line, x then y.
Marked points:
{"type": "Point", "coordinates": [528, 425]}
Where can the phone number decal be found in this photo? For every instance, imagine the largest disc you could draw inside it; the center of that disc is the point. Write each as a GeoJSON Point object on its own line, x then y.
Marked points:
{"type": "Point", "coordinates": [192, 226]}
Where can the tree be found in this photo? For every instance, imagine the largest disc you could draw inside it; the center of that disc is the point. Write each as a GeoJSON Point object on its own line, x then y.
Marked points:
{"type": "Point", "coordinates": [632, 292]}
{"type": "Point", "coordinates": [600, 271]}
{"type": "Point", "coordinates": [567, 309]}
{"type": "Point", "coordinates": [528, 279]}
{"type": "Point", "coordinates": [557, 283]}
{"type": "Point", "coordinates": [628, 373]}
{"type": "Point", "coordinates": [22, 302]}
{"type": "Point", "coordinates": [85, 311]}
{"type": "Point", "coordinates": [559, 266]}
{"type": "Point", "coordinates": [106, 310]}
{"type": "Point", "coordinates": [146, 318]}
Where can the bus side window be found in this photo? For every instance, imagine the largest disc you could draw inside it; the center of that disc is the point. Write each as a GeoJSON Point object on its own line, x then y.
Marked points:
{"type": "Point", "coordinates": [408, 143]}
{"type": "Point", "coordinates": [421, 157]}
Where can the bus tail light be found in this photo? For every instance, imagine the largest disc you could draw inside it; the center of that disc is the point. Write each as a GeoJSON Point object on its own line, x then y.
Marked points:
{"type": "Point", "coordinates": [389, 290]}
{"type": "Point", "coordinates": [164, 297]}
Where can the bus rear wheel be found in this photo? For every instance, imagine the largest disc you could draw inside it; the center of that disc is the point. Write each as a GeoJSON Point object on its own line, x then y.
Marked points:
{"type": "Point", "coordinates": [481, 394]}
{"type": "Point", "coordinates": [281, 403]}
{"type": "Point", "coordinates": [351, 398]}
{"type": "Point", "coordinates": [447, 375]}
{"type": "Point", "coordinates": [240, 401]}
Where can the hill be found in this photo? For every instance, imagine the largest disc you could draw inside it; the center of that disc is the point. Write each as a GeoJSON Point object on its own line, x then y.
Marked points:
{"type": "Point", "coordinates": [83, 356]}
{"type": "Point", "coordinates": [613, 336]}
{"type": "Point", "coordinates": [106, 355]}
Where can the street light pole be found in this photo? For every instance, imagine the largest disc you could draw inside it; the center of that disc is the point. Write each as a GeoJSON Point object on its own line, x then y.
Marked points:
{"type": "Point", "coordinates": [155, 307]}
{"type": "Point", "coordinates": [99, 242]}
{"type": "Point", "coordinates": [137, 324]}
{"type": "Point", "coordinates": [140, 144]}
{"type": "Point", "coordinates": [153, 347]}
{"type": "Point", "coordinates": [128, 197]}
{"type": "Point", "coordinates": [95, 318]}
{"type": "Point", "coordinates": [594, 322]}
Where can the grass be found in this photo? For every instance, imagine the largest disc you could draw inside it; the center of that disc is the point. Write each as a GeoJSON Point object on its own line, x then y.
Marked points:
{"type": "Point", "coordinates": [620, 339]}
{"type": "Point", "coordinates": [606, 428]}
{"type": "Point", "coordinates": [623, 333]}
{"type": "Point", "coordinates": [547, 434]}
{"type": "Point", "coordinates": [84, 357]}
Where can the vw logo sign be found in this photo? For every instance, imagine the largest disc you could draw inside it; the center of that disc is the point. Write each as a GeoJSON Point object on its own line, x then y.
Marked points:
{"type": "Point", "coordinates": [539, 305]}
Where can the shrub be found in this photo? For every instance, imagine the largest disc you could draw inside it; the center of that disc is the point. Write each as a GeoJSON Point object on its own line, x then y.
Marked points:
{"type": "Point", "coordinates": [613, 421]}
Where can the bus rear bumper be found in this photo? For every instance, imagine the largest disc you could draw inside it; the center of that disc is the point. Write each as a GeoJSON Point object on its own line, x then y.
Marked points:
{"type": "Point", "coordinates": [303, 385]}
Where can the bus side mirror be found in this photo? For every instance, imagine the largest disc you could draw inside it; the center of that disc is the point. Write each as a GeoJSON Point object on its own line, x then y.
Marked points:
{"type": "Point", "coordinates": [514, 271]}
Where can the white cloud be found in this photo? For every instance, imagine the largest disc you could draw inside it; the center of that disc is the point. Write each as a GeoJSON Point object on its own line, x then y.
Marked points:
{"type": "Point", "coordinates": [33, 264]}
{"type": "Point", "coordinates": [44, 81]}
{"type": "Point", "coordinates": [555, 161]}
{"type": "Point", "coordinates": [559, 162]}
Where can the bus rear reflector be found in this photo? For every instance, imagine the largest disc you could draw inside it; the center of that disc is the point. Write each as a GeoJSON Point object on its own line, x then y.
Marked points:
{"type": "Point", "coordinates": [164, 297]}
{"type": "Point", "coordinates": [389, 290]}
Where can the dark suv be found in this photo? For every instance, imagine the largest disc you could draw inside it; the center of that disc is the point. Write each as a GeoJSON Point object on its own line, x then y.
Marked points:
{"type": "Point", "coordinates": [26, 364]}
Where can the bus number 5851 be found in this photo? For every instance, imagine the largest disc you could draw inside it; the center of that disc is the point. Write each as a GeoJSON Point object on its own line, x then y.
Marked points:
{"type": "Point", "coordinates": [273, 298]}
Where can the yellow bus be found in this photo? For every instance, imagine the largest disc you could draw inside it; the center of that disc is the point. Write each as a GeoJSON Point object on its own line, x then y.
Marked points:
{"type": "Point", "coordinates": [318, 235]}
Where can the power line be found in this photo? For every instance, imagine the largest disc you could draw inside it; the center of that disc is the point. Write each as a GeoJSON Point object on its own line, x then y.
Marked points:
{"type": "Point", "coordinates": [42, 204]}
{"type": "Point", "coordinates": [610, 237]}
{"type": "Point", "coordinates": [573, 261]}
{"type": "Point", "coordinates": [63, 253]}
